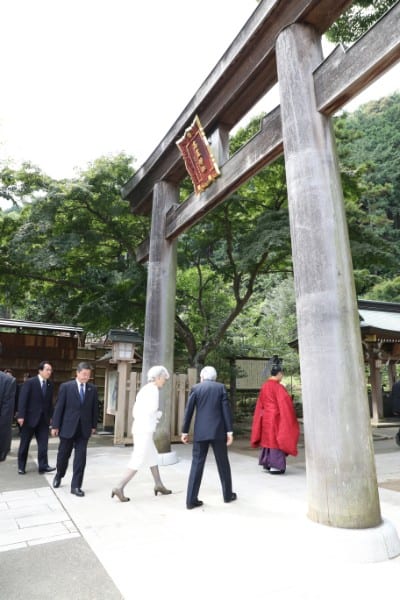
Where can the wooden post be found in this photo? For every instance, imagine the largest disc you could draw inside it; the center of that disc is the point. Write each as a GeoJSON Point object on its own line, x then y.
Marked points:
{"type": "Point", "coordinates": [121, 414]}
{"type": "Point", "coordinates": [220, 145]}
{"type": "Point", "coordinates": [391, 374]}
{"type": "Point", "coordinates": [341, 477]}
{"type": "Point", "coordinates": [133, 388]}
{"type": "Point", "coordinates": [160, 305]}
{"type": "Point", "coordinates": [180, 400]}
{"type": "Point", "coordinates": [376, 389]}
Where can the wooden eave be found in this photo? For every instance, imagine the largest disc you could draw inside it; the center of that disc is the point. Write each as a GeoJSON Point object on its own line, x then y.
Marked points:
{"type": "Point", "coordinates": [385, 335]}
{"type": "Point", "coordinates": [391, 307]}
{"type": "Point", "coordinates": [20, 326]}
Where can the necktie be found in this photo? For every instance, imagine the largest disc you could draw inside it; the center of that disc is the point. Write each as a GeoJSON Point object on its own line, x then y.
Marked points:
{"type": "Point", "coordinates": [43, 388]}
{"type": "Point", "coordinates": [82, 392]}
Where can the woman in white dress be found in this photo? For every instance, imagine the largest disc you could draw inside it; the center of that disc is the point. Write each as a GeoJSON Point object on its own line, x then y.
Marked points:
{"type": "Point", "coordinates": [145, 418]}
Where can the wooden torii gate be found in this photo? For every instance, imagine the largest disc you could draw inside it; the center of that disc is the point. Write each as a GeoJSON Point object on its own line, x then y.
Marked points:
{"type": "Point", "coordinates": [282, 41]}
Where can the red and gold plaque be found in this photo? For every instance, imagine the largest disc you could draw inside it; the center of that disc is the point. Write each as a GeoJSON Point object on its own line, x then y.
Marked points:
{"type": "Point", "coordinates": [198, 157]}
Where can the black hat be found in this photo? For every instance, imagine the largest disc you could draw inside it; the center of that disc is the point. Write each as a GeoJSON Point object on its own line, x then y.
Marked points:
{"type": "Point", "coordinates": [276, 369]}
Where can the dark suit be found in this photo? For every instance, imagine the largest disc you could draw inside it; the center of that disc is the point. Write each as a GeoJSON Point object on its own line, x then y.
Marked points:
{"type": "Point", "coordinates": [35, 407]}
{"type": "Point", "coordinates": [7, 399]}
{"type": "Point", "coordinates": [75, 422]}
{"type": "Point", "coordinates": [212, 422]}
{"type": "Point", "coordinates": [395, 398]}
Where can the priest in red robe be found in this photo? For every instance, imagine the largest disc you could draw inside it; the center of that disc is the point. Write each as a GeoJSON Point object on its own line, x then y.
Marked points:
{"type": "Point", "coordinates": [275, 427]}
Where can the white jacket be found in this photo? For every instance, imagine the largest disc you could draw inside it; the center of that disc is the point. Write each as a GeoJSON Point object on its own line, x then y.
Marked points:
{"type": "Point", "coordinates": [145, 410]}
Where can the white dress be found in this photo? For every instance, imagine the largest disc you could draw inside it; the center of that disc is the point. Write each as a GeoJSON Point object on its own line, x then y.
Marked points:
{"type": "Point", "coordinates": [145, 418]}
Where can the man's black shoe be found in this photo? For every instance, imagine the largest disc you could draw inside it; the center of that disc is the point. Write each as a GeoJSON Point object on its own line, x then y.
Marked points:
{"type": "Point", "coordinates": [195, 504]}
{"type": "Point", "coordinates": [21, 471]}
{"type": "Point", "coordinates": [232, 498]}
{"type": "Point", "coordinates": [47, 470]}
{"type": "Point", "coordinates": [77, 492]}
{"type": "Point", "coordinates": [56, 481]}
{"type": "Point", "coordinates": [397, 438]}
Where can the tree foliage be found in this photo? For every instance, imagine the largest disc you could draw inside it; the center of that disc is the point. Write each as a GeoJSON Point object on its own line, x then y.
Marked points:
{"type": "Point", "coordinates": [373, 131]}
{"type": "Point", "coordinates": [357, 19]}
{"type": "Point", "coordinates": [67, 252]}
{"type": "Point", "coordinates": [369, 144]}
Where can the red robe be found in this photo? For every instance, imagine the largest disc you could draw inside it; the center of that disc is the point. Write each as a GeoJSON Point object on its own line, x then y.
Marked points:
{"type": "Point", "coordinates": [274, 422]}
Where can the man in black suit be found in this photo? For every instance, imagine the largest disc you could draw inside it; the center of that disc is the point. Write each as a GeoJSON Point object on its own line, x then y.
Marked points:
{"type": "Point", "coordinates": [35, 405]}
{"type": "Point", "coordinates": [7, 398]}
{"type": "Point", "coordinates": [395, 399]}
{"type": "Point", "coordinates": [212, 425]}
{"type": "Point", "coordinates": [75, 420]}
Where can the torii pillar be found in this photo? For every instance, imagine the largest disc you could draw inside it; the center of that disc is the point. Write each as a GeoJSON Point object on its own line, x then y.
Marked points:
{"type": "Point", "coordinates": [160, 309]}
{"type": "Point", "coordinates": [341, 476]}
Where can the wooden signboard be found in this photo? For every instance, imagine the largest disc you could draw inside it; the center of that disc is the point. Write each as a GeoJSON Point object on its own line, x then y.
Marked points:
{"type": "Point", "coordinates": [198, 157]}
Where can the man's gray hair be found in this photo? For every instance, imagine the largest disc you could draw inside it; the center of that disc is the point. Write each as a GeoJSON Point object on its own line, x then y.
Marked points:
{"type": "Point", "coordinates": [208, 374]}
{"type": "Point", "coordinates": [157, 371]}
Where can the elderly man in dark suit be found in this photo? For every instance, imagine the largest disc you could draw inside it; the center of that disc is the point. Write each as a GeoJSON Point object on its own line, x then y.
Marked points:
{"type": "Point", "coordinates": [35, 405]}
{"type": "Point", "coordinates": [212, 426]}
{"type": "Point", "coordinates": [7, 398]}
{"type": "Point", "coordinates": [75, 420]}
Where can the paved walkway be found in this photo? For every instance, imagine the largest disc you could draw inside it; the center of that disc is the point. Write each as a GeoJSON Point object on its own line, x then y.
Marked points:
{"type": "Point", "coordinates": [53, 544]}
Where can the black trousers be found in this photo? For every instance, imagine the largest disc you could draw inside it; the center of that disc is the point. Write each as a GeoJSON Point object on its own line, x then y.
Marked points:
{"type": "Point", "coordinates": [41, 433]}
{"type": "Point", "coordinates": [199, 455]}
{"type": "Point", "coordinates": [78, 443]}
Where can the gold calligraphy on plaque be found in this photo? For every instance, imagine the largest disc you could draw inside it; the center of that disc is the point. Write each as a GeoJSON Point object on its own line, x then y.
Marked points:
{"type": "Point", "coordinates": [198, 157]}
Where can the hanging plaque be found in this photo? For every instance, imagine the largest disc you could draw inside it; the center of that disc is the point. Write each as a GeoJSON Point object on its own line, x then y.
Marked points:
{"type": "Point", "coordinates": [198, 157]}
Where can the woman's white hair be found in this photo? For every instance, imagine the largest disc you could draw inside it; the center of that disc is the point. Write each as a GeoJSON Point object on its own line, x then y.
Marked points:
{"type": "Point", "coordinates": [157, 371]}
{"type": "Point", "coordinates": [208, 374]}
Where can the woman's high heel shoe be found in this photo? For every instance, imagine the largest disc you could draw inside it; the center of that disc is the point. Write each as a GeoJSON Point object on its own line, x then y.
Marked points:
{"type": "Point", "coordinates": [160, 489]}
{"type": "Point", "coordinates": [120, 495]}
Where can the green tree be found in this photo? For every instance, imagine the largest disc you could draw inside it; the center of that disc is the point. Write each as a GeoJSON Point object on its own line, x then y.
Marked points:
{"type": "Point", "coordinates": [374, 141]}
{"type": "Point", "coordinates": [386, 291]}
{"type": "Point", "coordinates": [69, 251]}
{"type": "Point", "coordinates": [357, 19]}
{"type": "Point", "coordinates": [369, 147]}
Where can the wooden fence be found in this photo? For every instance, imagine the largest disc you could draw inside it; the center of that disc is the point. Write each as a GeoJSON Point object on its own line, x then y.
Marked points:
{"type": "Point", "coordinates": [181, 385]}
